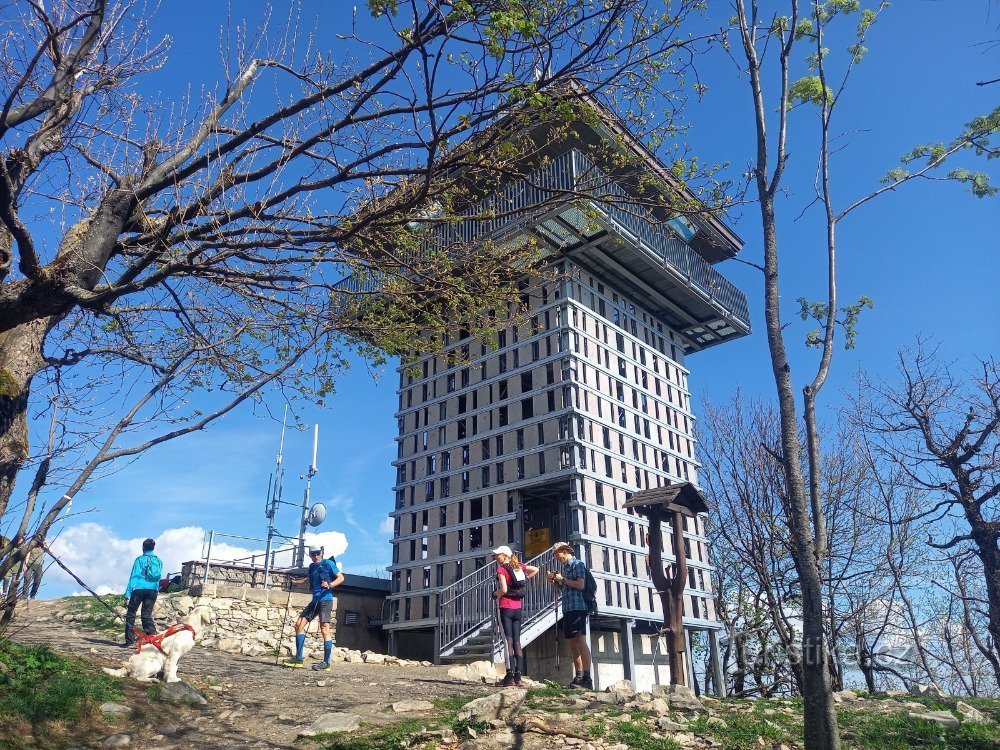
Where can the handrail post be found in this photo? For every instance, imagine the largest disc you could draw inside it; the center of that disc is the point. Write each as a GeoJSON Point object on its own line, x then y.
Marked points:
{"type": "Point", "coordinates": [208, 556]}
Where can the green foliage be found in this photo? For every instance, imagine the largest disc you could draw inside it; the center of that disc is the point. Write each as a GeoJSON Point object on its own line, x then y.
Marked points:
{"type": "Point", "coordinates": [866, 730]}
{"type": "Point", "coordinates": [809, 90]}
{"type": "Point", "coordinates": [462, 726]}
{"type": "Point", "coordinates": [383, 7]}
{"type": "Point", "coordinates": [453, 703]}
{"type": "Point", "coordinates": [41, 685]}
{"type": "Point", "coordinates": [850, 315]}
{"type": "Point", "coordinates": [742, 730]}
{"type": "Point", "coordinates": [977, 137]}
{"type": "Point", "coordinates": [549, 690]}
{"type": "Point", "coordinates": [97, 616]}
{"type": "Point", "coordinates": [638, 737]}
{"type": "Point", "coordinates": [378, 738]}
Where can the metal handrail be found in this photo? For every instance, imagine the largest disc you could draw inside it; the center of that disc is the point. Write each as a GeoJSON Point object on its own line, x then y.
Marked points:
{"type": "Point", "coordinates": [468, 605]}
{"type": "Point", "coordinates": [560, 182]}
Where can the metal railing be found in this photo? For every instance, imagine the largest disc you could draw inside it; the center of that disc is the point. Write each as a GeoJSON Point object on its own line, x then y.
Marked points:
{"type": "Point", "coordinates": [282, 558]}
{"type": "Point", "coordinates": [567, 179]}
{"type": "Point", "coordinates": [468, 606]}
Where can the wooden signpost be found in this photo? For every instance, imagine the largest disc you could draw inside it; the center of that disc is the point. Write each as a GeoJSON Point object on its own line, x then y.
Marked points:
{"type": "Point", "coordinates": [670, 504]}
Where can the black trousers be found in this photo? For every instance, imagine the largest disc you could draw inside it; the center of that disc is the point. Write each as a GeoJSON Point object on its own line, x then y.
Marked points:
{"type": "Point", "coordinates": [510, 620]}
{"type": "Point", "coordinates": [146, 598]}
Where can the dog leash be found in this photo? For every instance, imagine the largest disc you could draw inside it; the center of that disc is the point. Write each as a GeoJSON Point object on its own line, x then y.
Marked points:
{"type": "Point", "coordinates": [140, 634]}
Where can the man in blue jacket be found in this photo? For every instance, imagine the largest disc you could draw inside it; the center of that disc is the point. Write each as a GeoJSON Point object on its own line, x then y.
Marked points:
{"type": "Point", "coordinates": [143, 586]}
{"type": "Point", "coordinates": [323, 576]}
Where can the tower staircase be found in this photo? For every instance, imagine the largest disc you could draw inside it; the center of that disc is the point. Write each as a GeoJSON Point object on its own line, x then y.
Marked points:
{"type": "Point", "coordinates": [469, 621]}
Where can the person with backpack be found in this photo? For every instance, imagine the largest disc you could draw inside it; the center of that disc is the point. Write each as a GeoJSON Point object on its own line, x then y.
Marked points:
{"type": "Point", "coordinates": [512, 584]}
{"type": "Point", "coordinates": [323, 576]}
{"type": "Point", "coordinates": [573, 582]}
{"type": "Point", "coordinates": [143, 586]}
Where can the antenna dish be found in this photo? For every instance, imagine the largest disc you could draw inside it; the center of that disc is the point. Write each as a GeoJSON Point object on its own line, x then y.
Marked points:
{"type": "Point", "coordinates": [317, 514]}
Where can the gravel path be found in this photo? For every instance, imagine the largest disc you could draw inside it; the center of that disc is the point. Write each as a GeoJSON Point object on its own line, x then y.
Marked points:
{"type": "Point", "coordinates": [252, 702]}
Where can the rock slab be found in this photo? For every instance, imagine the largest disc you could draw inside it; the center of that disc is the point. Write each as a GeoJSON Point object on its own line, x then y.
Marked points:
{"type": "Point", "coordinates": [331, 723]}
{"type": "Point", "coordinates": [181, 692]}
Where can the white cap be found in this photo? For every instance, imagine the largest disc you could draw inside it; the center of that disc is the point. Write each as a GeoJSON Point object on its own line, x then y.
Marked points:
{"type": "Point", "coordinates": [503, 549]}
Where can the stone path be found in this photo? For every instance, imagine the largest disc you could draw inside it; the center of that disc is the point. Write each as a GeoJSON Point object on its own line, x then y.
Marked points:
{"type": "Point", "coordinates": [252, 702]}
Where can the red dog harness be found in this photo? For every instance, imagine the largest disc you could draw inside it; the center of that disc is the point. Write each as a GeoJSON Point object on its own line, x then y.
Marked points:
{"type": "Point", "coordinates": [156, 640]}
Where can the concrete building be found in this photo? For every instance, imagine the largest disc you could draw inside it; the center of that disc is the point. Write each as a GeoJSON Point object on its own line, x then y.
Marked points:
{"type": "Point", "coordinates": [583, 399]}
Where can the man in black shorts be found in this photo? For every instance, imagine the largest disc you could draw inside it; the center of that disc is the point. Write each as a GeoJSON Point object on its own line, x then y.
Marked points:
{"type": "Point", "coordinates": [572, 580]}
{"type": "Point", "coordinates": [323, 576]}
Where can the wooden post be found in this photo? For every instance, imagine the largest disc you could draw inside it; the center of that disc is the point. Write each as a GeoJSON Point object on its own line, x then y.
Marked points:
{"type": "Point", "coordinates": [666, 586]}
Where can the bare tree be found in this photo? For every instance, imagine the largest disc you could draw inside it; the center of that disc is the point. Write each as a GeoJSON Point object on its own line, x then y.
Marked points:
{"type": "Point", "coordinates": [763, 38]}
{"type": "Point", "coordinates": [943, 433]}
{"type": "Point", "coordinates": [261, 231]}
{"type": "Point", "coordinates": [743, 478]}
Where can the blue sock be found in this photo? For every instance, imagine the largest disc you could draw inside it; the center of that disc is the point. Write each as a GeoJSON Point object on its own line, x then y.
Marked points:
{"type": "Point", "coordinates": [327, 650]}
{"type": "Point", "coordinates": [300, 644]}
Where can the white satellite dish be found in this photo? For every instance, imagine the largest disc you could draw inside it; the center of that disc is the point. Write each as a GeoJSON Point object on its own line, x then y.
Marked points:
{"type": "Point", "coordinates": [317, 514]}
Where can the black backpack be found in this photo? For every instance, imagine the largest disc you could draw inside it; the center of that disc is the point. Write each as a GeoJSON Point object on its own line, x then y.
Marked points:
{"type": "Point", "coordinates": [516, 588]}
{"type": "Point", "coordinates": [590, 592]}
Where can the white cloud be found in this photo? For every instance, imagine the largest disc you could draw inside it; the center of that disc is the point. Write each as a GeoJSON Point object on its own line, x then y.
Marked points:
{"type": "Point", "coordinates": [387, 526]}
{"type": "Point", "coordinates": [103, 560]}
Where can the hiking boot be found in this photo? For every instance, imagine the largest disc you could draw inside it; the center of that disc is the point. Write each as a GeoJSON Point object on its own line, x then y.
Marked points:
{"type": "Point", "coordinates": [585, 683]}
{"type": "Point", "coordinates": [322, 666]}
{"type": "Point", "coordinates": [294, 663]}
{"type": "Point", "coordinates": [507, 681]}
{"type": "Point", "coordinates": [576, 682]}
{"type": "Point", "coordinates": [517, 679]}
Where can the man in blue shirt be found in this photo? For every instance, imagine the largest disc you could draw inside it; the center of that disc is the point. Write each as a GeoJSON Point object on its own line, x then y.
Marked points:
{"type": "Point", "coordinates": [323, 576]}
{"type": "Point", "coordinates": [143, 586]}
{"type": "Point", "coordinates": [572, 581]}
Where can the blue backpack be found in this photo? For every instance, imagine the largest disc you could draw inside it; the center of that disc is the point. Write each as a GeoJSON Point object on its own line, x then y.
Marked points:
{"type": "Point", "coordinates": [153, 568]}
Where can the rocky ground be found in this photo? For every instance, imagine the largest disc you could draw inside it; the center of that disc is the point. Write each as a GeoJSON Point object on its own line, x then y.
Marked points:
{"type": "Point", "coordinates": [249, 702]}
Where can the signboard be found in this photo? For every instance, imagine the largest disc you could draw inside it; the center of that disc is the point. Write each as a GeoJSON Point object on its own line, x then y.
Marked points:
{"type": "Point", "coordinates": [536, 541]}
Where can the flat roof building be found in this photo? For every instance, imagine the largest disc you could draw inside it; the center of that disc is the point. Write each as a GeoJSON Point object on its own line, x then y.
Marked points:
{"type": "Point", "coordinates": [582, 400]}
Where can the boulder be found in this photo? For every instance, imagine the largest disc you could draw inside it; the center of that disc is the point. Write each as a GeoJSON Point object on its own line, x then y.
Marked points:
{"type": "Point", "coordinates": [658, 707]}
{"type": "Point", "coordinates": [622, 691]}
{"type": "Point", "coordinates": [844, 695]}
{"type": "Point", "coordinates": [971, 714]}
{"type": "Point", "coordinates": [500, 706]}
{"type": "Point", "coordinates": [502, 739]}
{"type": "Point", "coordinates": [181, 692]}
{"type": "Point", "coordinates": [353, 657]}
{"type": "Point", "coordinates": [409, 706]}
{"type": "Point", "coordinates": [666, 724]}
{"type": "Point", "coordinates": [331, 723]}
{"type": "Point", "coordinates": [926, 691]}
{"type": "Point", "coordinates": [115, 709]}
{"type": "Point", "coordinates": [371, 657]}
{"type": "Point", "coordinates": [477, 671]}
{"type": "Point", "coordinates": [118, 740]}
{"type": "Point", "coordinates": [542, 722]}
{"type": "Point", "coordinates": [944, 718]}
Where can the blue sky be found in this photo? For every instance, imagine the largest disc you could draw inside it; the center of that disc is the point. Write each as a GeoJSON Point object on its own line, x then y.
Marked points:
{"type": "Point", "coordinates": [927, 255]}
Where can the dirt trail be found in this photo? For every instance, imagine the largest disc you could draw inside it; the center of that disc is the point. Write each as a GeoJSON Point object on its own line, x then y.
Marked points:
{"type": "Point", "coordinates": [251, 702]}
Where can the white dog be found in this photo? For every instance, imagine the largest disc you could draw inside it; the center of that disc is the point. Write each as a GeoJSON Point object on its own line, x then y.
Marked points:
{"type": "Point", "coordinates": [151, 659]}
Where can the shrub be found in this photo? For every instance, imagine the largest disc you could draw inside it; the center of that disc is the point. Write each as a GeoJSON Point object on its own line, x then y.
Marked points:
{"type": "Point", "coordinates": [41, 685]}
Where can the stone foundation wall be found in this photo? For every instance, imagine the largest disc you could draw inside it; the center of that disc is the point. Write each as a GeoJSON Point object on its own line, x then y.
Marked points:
{"type": "Point", "coordinates": [255, 622]}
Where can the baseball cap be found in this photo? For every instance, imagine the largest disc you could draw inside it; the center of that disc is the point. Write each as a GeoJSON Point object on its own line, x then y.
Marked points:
{"type": "Point", "coordinates": [503, 549]}
{"type": "Point", "coordinates": [315, 551]}
{"type": "Point", "coordinates": [558, 546]}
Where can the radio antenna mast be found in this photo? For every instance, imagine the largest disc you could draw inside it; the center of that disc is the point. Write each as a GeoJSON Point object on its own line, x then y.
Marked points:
{"type": "Point", "coordinates": [274, 487]}
{"type": "Point", "coordinates": [305, 499]}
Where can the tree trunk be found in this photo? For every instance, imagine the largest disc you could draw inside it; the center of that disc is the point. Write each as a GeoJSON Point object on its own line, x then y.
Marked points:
{"type": "Point", "coordinates": [673, 605]}
{"type": "Point", "coordinates": [986, 541]}
{"type": "Point", "coordinates": [20, 360]}
{"type": "Point", "coordinates": [819, 714]}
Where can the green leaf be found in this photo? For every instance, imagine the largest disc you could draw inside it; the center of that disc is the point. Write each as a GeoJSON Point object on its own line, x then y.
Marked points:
{"type": "Point", "coordinates": [809, 90]}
